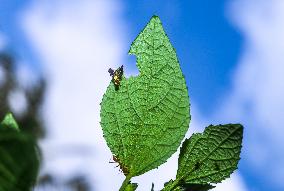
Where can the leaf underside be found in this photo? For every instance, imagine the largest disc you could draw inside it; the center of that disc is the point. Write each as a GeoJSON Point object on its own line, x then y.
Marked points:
{"type": "Point", "coordinates": [212, 156]}
{"type": "Point", "coordinates": [145, 120]}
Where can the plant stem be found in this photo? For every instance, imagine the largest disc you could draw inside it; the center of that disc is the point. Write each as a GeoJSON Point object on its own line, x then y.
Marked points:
{"type": "Point", "coordinates": [125, 182]}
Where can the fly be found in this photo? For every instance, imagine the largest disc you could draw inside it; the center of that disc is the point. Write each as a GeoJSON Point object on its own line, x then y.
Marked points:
{"type": "Point", "coordinates": [116, 76]}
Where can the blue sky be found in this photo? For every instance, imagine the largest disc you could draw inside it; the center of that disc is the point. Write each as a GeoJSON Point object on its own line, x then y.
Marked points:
{"type": "Point", "coordinates": [224, 48]}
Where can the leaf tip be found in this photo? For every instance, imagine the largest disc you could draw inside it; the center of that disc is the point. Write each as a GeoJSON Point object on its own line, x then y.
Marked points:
{"type": "Point", "coordinates": [10, 122]}
{"type": "Point", "coordinates": [155, 17]}
{"type": "Point", "coordinates": [154, 22]}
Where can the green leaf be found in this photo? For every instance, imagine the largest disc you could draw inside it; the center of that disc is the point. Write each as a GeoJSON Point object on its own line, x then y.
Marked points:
{"type": "Point", "coordinates": [9, 122]}
{"type": "Point", "coordinates": [212, 156]}
{"type": "Point", "coordinates": [146, 118]}
{"type": "Point", "coordinates": [19, 158]}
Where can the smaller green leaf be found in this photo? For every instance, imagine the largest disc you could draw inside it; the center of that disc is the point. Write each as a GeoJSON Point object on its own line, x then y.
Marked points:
{"type": "Point", "coordinates": [9, 122]}
{"type": "Point", "coordinates": [212, 156]}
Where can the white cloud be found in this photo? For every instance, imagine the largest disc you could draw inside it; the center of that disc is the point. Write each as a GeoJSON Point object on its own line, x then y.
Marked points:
{"type": "Point", "coordinates": [27, 77]}
{"type": "Point", "coordinates": [18, 101]}
{"type": "Point", "coordinates": [257, 97]}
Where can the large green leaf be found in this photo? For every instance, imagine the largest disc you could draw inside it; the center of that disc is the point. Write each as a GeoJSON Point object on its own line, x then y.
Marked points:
{"type": "Point", "coordinates": [19, 160]}
{"type": "Point", "coordinates": [212, 156]}
{"type": "Point", "coordinates": [145, 120]}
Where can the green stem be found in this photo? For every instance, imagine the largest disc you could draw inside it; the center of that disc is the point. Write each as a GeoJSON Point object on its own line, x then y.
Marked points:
{"type": "Point", "coordinates": [176, 182]}
{"type": "Point", "coordinates": [125, 182]}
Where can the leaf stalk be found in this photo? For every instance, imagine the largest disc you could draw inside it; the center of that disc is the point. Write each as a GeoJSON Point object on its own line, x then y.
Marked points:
{"type": "Point", "coordinates": [125, 182]}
